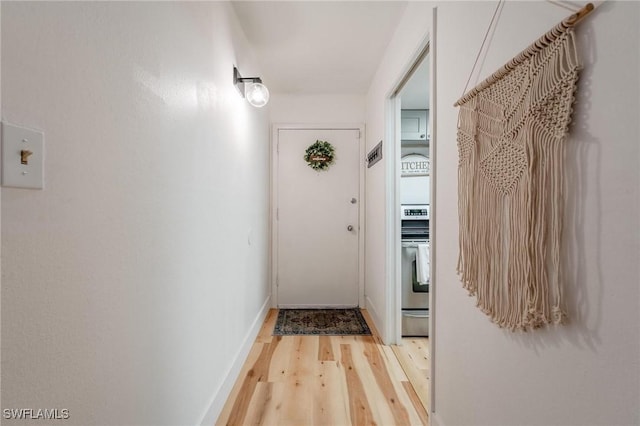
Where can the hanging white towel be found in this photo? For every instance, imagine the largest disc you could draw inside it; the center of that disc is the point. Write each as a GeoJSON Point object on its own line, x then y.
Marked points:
{"type": "Point", "coordinates": [422, 264]}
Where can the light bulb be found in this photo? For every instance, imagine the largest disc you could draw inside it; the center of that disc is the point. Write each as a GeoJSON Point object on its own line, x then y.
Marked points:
{"type": "Point", "coordinates": [257, 94]}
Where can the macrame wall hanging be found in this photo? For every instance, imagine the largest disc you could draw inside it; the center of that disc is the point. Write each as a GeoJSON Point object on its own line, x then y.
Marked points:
{"type": "Point", "coordinates": [511, 133]}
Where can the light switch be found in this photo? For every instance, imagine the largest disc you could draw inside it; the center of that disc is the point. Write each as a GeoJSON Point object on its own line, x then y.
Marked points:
{"type": "Point", "coordinates": [22, 157]}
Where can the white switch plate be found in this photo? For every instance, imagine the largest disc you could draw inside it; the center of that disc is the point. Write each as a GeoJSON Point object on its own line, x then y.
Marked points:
{"type": "Point", "coordinates": [14, 140]}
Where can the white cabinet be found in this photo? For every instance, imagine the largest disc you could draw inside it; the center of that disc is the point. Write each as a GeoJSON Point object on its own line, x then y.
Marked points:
{"type": "Point", "coordinates": [415, 124]}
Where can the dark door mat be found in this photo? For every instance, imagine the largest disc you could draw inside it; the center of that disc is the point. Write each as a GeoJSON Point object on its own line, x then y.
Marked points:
{"type": "Point", "coordinates": [314, 322]}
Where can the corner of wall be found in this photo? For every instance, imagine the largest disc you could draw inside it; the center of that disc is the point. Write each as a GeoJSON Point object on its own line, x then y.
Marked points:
{"type": "Point", "coordinates": [375, 315]}
{"type": "Point", "coordinates": [221, 394]}
{"type": "Point", "coordinates": [403, 49]}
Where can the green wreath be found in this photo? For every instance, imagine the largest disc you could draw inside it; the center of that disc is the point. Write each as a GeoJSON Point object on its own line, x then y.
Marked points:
{"type": "Point", "coordinates": [320, 155]}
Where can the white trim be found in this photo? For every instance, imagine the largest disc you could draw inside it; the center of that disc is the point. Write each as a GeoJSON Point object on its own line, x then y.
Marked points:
{"type": "Point", "coordinates": [393, 330]}
{"type": "Point", "coordinates": [274, 215]}
{"type": "Point", "coordinates": [392, 326]}
{"type": "Point", "coordinates": [435, 419]}
{"type": "Point", "coordinates": [275, 128]}
{"type": "Point", "coordinates": [221, 394]}
{"type": "Point", "coordinates": [397, 221]}
{"type": "Point", "coordinates": [433, 217]}
{"type": "Point", "coordinates": [362, 210]}
{"type": "Point", "coordinates": [373, 312]}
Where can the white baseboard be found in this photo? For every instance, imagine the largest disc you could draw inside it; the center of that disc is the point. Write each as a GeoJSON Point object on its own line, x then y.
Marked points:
{"type": "Point", "coordinates": [221, 394]}
{"type": "Point", "coordinates": [435, 420]}
{"type": "Point", "coordinates": [375, 316]}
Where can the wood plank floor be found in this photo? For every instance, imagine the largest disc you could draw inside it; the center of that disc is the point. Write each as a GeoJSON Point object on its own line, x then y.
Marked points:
{"type": "Point", "coordinates": [415, 360]}
{"type": "Point", "coordinates": [321, 380]}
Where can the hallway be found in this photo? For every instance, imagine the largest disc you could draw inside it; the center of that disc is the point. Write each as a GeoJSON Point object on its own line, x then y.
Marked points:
{"type": "Point", "coordinates": [135, 282]}
{"type": "Point", "coordinates": [321, 380]}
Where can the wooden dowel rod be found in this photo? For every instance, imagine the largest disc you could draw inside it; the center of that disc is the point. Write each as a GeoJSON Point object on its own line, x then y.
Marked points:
{"type": "Point", "coordinates": [579, 15]}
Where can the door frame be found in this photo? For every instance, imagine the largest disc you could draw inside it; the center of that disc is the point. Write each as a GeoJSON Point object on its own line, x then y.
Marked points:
{"type": "Point", "coordinates": [275, 129]}
{"type": "Point", "coordinates": [393, 179]}
{"type": "Point", "coordinates": [392, 183]}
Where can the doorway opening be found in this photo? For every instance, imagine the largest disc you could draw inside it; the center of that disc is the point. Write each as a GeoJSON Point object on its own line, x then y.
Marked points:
{"type": "Point", "coordinates": [410, 205]}
{"type": "Point", "coordinates": [415, 200]}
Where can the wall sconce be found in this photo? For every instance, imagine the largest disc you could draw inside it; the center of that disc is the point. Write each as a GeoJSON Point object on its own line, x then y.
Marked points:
{"type": "Point", "coordinates": [251, 88]}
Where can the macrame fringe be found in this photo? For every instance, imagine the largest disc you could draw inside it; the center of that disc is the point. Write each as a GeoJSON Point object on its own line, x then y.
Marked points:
{"type": "Point", "coordinates": [511, 138]}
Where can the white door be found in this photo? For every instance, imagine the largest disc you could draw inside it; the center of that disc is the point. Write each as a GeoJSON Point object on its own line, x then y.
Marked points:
{"type": "Point", "coordinates": [317, 220]}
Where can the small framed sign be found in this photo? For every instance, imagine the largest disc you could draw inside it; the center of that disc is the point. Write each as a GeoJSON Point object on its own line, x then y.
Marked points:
{"type": "Point", "coordinates": [415, 165]}
{"type": "Point", "coordinates": [374, 155]}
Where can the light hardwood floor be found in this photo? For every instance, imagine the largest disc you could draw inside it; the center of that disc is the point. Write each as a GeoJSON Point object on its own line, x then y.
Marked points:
{"type": "Point", "coordinates": [321, 380]}
{"type": "Point", "coordinates": [415, 360]}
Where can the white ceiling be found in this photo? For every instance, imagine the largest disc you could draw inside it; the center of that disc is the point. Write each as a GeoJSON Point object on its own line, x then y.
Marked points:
{"type": "Point", "coordinates": [311, 47]}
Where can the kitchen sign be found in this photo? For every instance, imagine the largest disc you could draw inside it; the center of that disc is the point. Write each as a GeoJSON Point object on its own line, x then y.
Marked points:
{"type": "Point", "coordinates": [415, 165]}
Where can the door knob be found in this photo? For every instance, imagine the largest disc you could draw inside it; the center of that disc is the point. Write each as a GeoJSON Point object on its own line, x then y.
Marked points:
{"type": "Point", "coordinates": [349, 228]}
{"type": "Point", "coordinates": [353, 201]}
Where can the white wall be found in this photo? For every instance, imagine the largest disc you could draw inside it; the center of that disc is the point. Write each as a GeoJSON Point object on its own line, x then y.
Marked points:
{"type": "Point", "coordinates": [330, 109]}
{"type": "Point", "coordinates": [130, 283]}
{"type": "Point", "coordinates": [0, 213]}
{"type": "Point", "coordinates": [587, 372]}
{"type": "Point", "coordinates": [403, 49]}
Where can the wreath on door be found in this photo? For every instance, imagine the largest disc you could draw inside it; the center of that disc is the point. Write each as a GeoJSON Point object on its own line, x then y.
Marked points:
{"type": "Point", "coordinates": [320, 155]}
